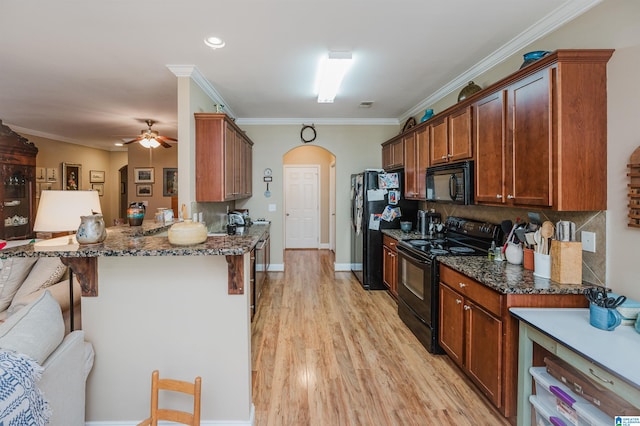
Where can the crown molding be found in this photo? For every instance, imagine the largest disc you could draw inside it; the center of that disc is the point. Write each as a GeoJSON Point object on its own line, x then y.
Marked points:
{"type": "Point", "coordinates": [557, 18]}
{"type": "Point", "coordinates": [194, 73]}
{"type": "Point", "coordinates": [322, 121]}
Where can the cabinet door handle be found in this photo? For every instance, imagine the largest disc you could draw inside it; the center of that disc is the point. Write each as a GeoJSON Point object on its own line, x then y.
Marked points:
{"type": "Point", "coordinates": [462, 285]}
{"type": "Point", "coordinates": [458, 301]}
{"type": "Point", "coordinates": [466, 307]}
{"type": "Point", "coordinates": [444, 157]}
{"type": "Point", "coordinates": [594, 374]}
{"type": "Point", "coordinates": [510, 197]}
{"type": "Point", "coordinates": [498, 196]}
{"type": "Point", "coordinates": [449, 155]}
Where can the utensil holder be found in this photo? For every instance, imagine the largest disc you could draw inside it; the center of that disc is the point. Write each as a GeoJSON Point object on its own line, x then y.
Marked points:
{"type": "Point", "coordinates": [542, 265]}
{"type": "Point", "coordinates": [566, 262]}
{"type": "Point", "coordinates": [528, 262]}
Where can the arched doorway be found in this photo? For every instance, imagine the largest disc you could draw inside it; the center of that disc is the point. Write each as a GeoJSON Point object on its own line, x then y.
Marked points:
{"type": "Point", "coordinates": [299, 166]}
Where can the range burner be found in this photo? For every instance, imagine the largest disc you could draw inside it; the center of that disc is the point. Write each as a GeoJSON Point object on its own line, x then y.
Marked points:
{"type": "Point", "coordinates": [438, 251]}
{"type": "Point", "coordinates": [418, 243]}
{"type": "Point", "coordinates": [458, 250]}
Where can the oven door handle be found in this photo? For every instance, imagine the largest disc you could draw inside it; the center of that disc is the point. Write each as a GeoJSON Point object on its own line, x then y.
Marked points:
{"type": "Point", "coordinates": [410, 257]}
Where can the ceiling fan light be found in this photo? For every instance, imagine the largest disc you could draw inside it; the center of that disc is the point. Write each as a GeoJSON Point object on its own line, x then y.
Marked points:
{"type": "Point", "coordinates": [149, 143]}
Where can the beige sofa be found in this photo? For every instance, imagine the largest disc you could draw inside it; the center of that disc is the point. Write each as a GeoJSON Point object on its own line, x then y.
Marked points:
{"type": "Point", "coordinates": [43, 372]}
{"type": "Point", "coordinates": [24, 279]}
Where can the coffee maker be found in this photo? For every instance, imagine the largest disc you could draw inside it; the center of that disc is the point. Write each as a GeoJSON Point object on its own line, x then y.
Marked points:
{"type": "Point", "coordinates": [427, 222]}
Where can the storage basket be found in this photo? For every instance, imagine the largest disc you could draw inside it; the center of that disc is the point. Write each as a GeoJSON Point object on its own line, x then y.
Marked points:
{"type": "Point", "coordinates": [571, 408]}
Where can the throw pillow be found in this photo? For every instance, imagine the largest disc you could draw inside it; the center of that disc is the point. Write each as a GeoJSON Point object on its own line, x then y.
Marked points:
{"type": "Point", "coordinates": [13, 271]}
{"type": "Point", "coordinates": [36, 330]}
{"type": "Point", "coordinates": [46, 272]}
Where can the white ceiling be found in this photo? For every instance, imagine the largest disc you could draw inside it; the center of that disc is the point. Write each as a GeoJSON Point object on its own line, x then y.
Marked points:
{"type": "Point", "coordinates": [91, 72]}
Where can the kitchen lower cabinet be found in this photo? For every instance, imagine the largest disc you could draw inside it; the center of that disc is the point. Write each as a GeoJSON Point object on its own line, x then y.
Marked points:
{"type": "Point", "coordinates": [223, 159]}
{"type": "Point", "coordinates": [390, 264]}
{"type": "Point", "coordinates": [481, 337]}
{"type": "Point", "coordinates": [541, 135]}
{"type": "Point", "coordinates": [472, 336]}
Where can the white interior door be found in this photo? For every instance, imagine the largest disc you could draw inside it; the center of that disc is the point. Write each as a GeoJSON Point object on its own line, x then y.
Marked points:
{"type": "Point", "coordinates": [332, 207]}
{"type": "Point", "coordinates": [302, 206]}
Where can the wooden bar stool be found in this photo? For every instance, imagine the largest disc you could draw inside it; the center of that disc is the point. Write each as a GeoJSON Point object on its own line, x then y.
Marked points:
{"type": "Point", "coordinates": [193, 389]}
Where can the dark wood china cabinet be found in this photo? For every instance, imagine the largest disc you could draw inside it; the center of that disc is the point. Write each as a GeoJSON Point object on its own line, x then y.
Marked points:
{"type": "Point", "coordinates": [17, 192]}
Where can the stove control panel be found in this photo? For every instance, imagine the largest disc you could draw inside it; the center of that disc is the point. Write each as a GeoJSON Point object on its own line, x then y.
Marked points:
{"type": "Point", "coordinates": [473, 228]}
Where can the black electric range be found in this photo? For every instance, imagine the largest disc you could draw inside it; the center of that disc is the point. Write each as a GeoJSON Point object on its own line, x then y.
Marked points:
{"type": "Point", "coordinates": [418, 272]}
{"type": "Point", "coordinates": [461, 237]}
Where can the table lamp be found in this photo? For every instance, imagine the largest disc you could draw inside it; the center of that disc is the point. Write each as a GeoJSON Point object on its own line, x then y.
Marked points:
{"type": "Point", "coordinates": [59, 212]}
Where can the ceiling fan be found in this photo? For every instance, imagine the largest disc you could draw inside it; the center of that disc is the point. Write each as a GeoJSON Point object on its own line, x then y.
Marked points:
{"type": "Point", "coordinates": [151, 139]}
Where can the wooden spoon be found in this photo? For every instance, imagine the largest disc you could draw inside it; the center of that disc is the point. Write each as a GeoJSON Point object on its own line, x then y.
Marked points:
{"type": "Point", "coordinates": [546, 231]}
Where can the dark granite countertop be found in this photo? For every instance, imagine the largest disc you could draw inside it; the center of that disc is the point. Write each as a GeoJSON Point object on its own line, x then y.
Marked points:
{"type": "Point", "coordinates": [502, 277]}
{"type": "Point", "coordinates": [125, 240]}
{"type": "Point", "coordinates": [506, 278]}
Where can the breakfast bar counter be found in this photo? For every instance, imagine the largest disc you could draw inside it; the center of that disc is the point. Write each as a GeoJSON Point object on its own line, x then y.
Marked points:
{"type": "Point", "coordinates": [184, 310]}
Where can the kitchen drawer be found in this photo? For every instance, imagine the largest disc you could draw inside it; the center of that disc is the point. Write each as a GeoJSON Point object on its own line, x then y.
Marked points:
{"type": "Point", "coordinates": [389, 242]}
{"type": "Point", "coordinates": [479, 293]}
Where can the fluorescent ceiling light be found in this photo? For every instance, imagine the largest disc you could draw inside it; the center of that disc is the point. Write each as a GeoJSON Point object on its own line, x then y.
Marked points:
{"type": "Point", "coordinates": [332, 70]}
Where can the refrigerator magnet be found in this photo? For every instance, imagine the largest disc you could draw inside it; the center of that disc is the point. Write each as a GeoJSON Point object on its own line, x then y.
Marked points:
{"type": "Point", "coordinates": [394, 197]}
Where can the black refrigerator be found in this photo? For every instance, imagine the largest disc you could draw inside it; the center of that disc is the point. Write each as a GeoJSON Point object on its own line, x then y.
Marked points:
{"type": "Point", "coordinates": [367, 199]}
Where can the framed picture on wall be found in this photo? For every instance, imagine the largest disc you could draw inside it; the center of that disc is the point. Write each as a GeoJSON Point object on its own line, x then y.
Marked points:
{"type": "Point", "coordinates": [143, 175]}
{"type": "Point", "coordinates": [71, 176]}
{"type": "Point", "coordinates": [98, 187]}
{"type": "Point", "coordinates": [41, 174]}
{"type": "Point", "coordinates": [96, 176]}
{"type": "Point", "coordinates": [169, 182]}
{"type": "Point", "coordinates": [52, 174]}
{"type": "Point", "coordinates": [144, 190]}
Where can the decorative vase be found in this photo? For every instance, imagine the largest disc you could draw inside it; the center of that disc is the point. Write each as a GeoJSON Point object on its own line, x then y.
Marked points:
{"type": "Point", "coordinates": [531, 57]}
{"type": "Point", "coordinates": [427, 115]}
{"type": "Point", "coordinates": [92, 229]}
{"type": "Point", "coordinates": [135, 213]}
{"type": "Point", "coordinates": [468, 90]}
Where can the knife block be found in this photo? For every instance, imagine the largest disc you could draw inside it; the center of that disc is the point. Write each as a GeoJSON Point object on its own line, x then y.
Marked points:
{"type": "Point", "coordinates": [566, 262]}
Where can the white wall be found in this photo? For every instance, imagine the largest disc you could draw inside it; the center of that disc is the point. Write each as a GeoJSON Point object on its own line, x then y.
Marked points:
{"type": "Point", "coordinates": [355, 148]}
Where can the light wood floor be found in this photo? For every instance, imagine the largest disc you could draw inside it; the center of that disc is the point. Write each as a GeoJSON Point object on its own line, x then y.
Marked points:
{"type": "Point", "coordinates": [326, 352]}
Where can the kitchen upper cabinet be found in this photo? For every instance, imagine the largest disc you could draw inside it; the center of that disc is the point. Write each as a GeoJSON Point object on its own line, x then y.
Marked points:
{"type": "Point", "coordinates": [451, 137]}
{"type": "Point", "coordinates": [490, 140]}
{"type": "Point", "coordinates": [540, 135]}
{"type": "Point", "coordinates": [223, 159]}
{"type": "Point", "coordinates": [17, 191]}
{"type": "Point", "coordinates": [390, 264]}
{"type": "Point", "coordinates": [393, 154]}
{"type": "Point", "coordinates": [416, 161]}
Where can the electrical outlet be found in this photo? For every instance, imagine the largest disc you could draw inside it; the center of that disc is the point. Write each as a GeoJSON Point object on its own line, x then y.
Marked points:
{"type": "Point", "coordinates": [272, 207]}
{"type": "Point", "coordinates": [589, 241]}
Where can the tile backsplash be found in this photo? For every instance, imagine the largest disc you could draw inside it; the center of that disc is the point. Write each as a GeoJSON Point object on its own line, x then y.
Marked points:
{"type": "Point", "coordinates": [593, 264]}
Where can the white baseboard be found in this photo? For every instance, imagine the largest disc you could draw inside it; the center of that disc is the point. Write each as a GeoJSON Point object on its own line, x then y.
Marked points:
{"type": "Point", "coordinates": [276, 267]}
{"type": "Point", "coordinates": [341, 266]}
{"type": "Point", "coordinates": [324, 246]}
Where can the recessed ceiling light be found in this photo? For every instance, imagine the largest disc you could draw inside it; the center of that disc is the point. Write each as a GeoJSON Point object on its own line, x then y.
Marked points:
{"type": "Point", "coordinates": [214, 42]}
{"type": "Point", "coordinates": [331, 71]}
{"type": "Point", "coordinates": [118, 144]}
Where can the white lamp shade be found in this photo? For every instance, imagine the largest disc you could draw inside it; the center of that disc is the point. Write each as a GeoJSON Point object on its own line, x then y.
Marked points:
{"type": "Point", "coordinates": [60, 211]}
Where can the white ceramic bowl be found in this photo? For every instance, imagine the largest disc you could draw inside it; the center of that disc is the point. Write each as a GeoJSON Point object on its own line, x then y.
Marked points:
{"type": "Point", "coordinates": [187, 233]}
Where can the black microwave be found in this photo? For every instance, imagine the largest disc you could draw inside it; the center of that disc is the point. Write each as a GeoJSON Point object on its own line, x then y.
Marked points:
{"type": "Point", "coordinates": [451, 183]}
